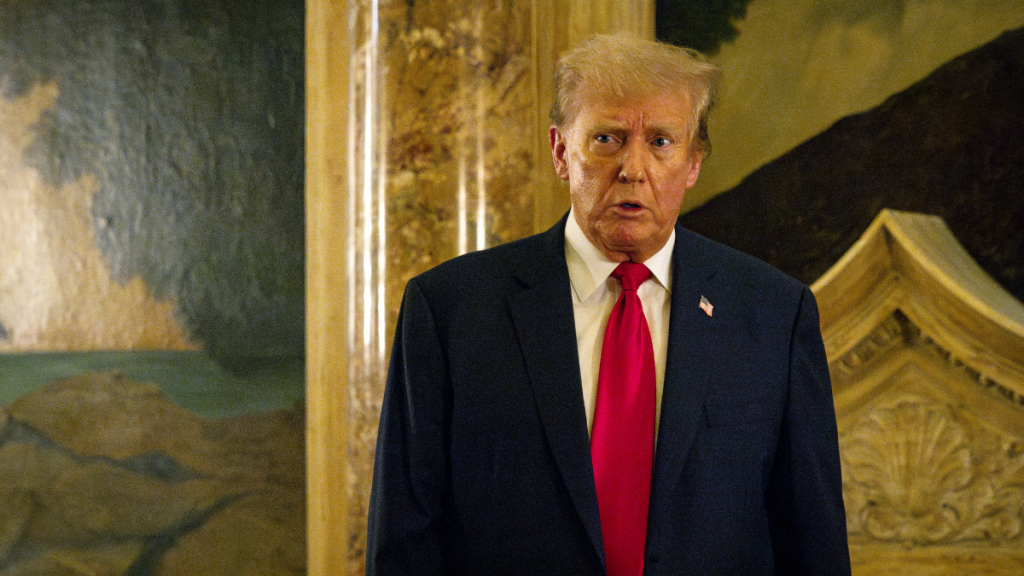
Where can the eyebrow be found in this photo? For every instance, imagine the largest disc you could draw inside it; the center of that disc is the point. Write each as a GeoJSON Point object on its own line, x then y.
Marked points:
{"type": "Point", "coordinates": [614, 128]}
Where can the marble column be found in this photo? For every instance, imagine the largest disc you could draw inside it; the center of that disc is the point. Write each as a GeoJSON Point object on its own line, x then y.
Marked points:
{"type": "Point", "coordinates": [426, 139]}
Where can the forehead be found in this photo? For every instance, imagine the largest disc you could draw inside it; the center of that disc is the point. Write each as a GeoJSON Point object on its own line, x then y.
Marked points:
{"type": "Point", "coordinates": [667, 110]}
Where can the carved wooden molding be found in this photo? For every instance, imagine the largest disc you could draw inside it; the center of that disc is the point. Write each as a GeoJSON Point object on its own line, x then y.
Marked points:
{"type": "Point", "coordinates": [927, 359]}
{"type": "Point", "coordinates": [917, 472]}
{"type": "Point", "coordinates": [914, 264]}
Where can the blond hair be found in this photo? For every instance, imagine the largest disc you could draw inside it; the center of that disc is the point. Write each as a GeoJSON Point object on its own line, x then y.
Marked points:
{"type": "Point", "coordinates": [623, 67]}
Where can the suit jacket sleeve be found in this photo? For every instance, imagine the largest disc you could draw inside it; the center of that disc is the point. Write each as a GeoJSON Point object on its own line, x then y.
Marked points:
{"type": "Point", "coordinates": [410, 463]}
{"type": "Point", "coordinates": [805, 500]}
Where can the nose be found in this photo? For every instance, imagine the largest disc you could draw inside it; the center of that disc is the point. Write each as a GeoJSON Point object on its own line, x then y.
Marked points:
{"type": "Point", "coordinates": [634, 164]}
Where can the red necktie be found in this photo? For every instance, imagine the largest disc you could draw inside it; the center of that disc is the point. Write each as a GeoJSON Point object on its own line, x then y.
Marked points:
{"type": "Point", "coordinates": [622, 441]}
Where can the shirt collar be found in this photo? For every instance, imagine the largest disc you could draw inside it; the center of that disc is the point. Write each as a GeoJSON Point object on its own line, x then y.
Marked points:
{"type": "Point", "coordinates": [589, 268]}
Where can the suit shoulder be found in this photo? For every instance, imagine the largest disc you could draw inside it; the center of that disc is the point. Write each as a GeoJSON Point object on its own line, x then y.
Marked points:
{"type": "Point", "coordinates": [731, 257]}
{"type": "Point", "coordinates": [736, 264]}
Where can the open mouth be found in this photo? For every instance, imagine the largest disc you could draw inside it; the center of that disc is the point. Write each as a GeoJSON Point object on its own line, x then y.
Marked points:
{"type": "Point", "coordinates": [628, 205]}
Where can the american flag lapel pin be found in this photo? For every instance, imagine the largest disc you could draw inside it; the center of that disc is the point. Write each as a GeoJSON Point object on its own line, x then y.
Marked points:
{"type": "Point", "coordinates": [706, 306]}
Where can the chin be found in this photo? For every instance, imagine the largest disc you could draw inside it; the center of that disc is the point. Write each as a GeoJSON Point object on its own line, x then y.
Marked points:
{"type": "Point", "coordinates": [630, 235]}
{"type": "Point", "coordinates": [628, 248]}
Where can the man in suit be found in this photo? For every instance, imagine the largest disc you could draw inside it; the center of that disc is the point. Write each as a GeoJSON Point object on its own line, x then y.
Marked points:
{"type": "Point", "coordinates": [504, 447]}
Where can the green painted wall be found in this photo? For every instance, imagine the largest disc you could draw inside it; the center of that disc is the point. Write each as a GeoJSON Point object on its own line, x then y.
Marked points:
{"type": "Point", "coordinates": [185, 120]}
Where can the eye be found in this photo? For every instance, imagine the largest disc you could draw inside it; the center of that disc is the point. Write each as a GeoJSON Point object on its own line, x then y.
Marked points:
{"type": "Point", "coordinates": [661, 142]}
{"type": "Point", "coordinates": [603, 139]}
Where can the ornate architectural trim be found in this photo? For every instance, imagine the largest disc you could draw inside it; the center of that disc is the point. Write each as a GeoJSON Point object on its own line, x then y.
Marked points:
{"type": "Point", "coordinates": [927, 359]}
{"type": "Point", "coordinates": [911, 265]}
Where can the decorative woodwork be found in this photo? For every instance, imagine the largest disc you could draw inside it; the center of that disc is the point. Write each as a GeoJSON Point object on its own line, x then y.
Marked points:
{"type": "Point", "coordinates": [927, 359]}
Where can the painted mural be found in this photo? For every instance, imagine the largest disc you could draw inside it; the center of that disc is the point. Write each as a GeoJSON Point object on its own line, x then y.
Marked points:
{"type": "Point", "coordinates": [151, 287]}
{"type": "Point", "coordinates": [792, 68]}
{"type": "Point", "coordinates": [831, 111]}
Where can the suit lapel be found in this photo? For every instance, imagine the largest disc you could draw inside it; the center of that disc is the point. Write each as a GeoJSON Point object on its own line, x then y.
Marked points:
{"type": "Point", "coordinates": [543, 318]}
{"type": "Point", "coordinates": [692, 344]}
{"type": "Point", "coordinates": [553, 368]}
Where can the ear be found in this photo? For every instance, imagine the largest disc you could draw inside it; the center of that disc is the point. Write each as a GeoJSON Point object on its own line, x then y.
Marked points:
{"type": "Point", "coordinates": [558, 151]}
{"type": "Point", "coordinates": [695, 164]}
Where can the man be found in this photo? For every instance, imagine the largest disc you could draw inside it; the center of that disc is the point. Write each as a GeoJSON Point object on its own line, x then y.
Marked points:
{"type": "Point", "coordinates": [511, 442]}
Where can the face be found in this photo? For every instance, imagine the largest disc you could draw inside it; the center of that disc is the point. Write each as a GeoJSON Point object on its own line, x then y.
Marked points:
{"type": "Point", "coordinates": [628, 164]}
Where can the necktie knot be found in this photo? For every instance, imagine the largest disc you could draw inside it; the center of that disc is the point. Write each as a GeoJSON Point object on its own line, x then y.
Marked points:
{"type": "Point", "coordinates": [631, 274]}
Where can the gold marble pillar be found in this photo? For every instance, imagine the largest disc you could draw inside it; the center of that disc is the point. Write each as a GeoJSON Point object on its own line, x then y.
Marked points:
{"type": "Point", "coordinates": [330, 524]}
{"type": "Point", "coordinates": [426, 138]}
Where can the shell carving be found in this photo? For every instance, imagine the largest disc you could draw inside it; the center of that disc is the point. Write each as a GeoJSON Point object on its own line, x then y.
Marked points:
{"type": "Point", "coordinates": [913, 473]}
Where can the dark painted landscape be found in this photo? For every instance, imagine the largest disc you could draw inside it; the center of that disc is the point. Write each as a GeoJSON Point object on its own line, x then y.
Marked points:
{"type": "Point", "coordinates": [952, 145]}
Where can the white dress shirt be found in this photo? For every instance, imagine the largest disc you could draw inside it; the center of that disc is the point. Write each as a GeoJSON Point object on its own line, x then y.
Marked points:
{"type": "Point", "coordinates": [594, 295]}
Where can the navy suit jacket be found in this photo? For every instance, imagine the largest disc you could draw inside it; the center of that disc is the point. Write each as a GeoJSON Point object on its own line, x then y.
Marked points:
{"type": "Point", "coordinates": [483, 459]}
